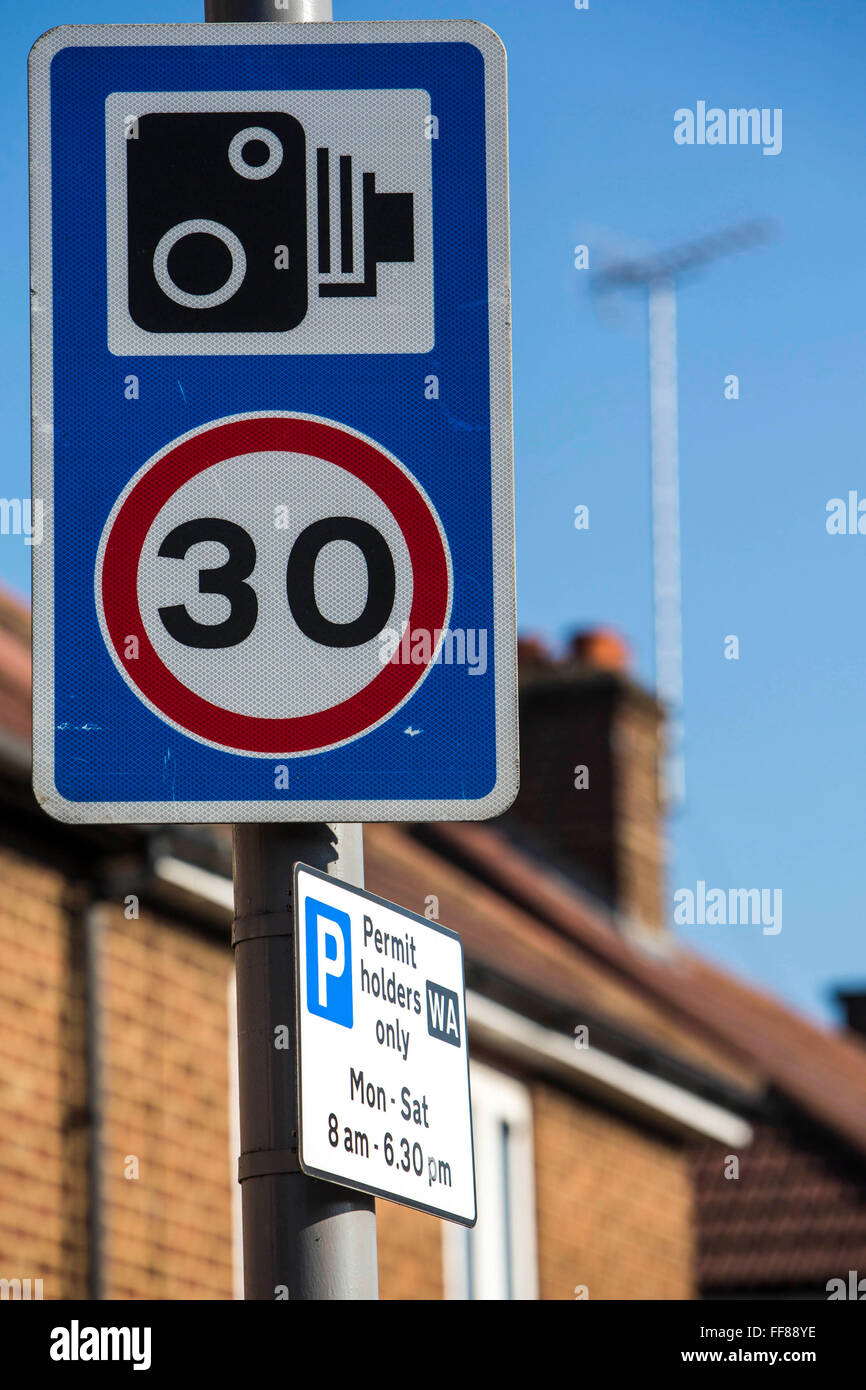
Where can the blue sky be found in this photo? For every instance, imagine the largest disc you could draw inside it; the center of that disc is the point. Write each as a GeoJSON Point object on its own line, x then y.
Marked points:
{"type": "Point", "coordinates": [776, 741]}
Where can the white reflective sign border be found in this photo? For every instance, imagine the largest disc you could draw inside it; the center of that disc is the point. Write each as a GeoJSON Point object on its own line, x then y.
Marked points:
{"type": "Point", "coordinates": [383, 1064]}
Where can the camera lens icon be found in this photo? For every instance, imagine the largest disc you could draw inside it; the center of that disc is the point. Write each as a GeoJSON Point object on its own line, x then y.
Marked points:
{"type": "Point", "coordinates": [199, 226]}
{"type": "Point", "coordinates": [253, 137]}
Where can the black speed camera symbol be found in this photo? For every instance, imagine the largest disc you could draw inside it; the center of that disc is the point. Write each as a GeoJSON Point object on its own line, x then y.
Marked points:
{"type": "Point", "coordinates": [217, 224]}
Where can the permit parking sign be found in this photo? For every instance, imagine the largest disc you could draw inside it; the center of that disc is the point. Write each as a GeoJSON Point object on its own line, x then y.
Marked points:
{"type": "Point", "coordinates": [272, 423]}
{"type": "Point", "coordinates": [383, 1061]}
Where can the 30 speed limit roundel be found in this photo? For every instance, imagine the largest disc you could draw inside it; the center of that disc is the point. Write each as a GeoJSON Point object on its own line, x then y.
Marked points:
{"type": "Point", "coordinates": [253, 575]}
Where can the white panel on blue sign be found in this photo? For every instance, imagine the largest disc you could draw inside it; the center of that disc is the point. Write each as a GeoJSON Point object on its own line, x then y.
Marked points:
{"type": "Point", "coordinates": [272, 423]}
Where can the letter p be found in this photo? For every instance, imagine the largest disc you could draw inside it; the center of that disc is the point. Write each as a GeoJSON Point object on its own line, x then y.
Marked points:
{"type": "Point", "coordinates": [329, 965]}
{"type": "Point", "coordinates": [328, 942]}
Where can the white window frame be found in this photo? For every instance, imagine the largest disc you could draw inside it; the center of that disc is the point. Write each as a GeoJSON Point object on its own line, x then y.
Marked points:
{"type": "Point", "coordinates": [497, 1259]}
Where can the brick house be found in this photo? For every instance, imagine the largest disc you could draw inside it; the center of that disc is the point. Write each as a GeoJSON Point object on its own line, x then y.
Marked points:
{"type": "Point", "coordinates": [618, 1078]}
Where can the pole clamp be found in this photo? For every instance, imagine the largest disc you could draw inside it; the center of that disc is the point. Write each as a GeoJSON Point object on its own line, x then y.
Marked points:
{"type": "Point", "coordinates": [263, 1162]}
{"type": "Point", "coordinates": [260, 924]}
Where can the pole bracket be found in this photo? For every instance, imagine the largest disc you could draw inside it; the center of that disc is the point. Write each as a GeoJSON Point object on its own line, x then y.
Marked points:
{"type": "Point", "coordinates": [259, 924]}
{"type": "Point", "coordinates": [263, 1162]}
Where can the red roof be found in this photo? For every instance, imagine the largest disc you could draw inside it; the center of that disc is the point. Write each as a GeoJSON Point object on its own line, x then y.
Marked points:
{"type": "Point", "coordinates": [823, 1071]}
{"type": "Point", "coordinates": [794, 1215]}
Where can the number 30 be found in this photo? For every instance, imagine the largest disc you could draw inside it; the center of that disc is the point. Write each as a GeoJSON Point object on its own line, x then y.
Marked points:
{"type": "Point", "coordinates": [230, 578]}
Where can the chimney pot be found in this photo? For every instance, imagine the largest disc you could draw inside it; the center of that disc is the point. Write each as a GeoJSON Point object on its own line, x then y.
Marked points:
{"type": "Point", "coordinates": [602, 647]}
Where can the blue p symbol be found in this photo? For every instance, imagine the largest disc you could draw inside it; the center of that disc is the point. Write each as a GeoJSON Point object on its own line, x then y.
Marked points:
{"type": "Point", "coordinates": [329, 962]}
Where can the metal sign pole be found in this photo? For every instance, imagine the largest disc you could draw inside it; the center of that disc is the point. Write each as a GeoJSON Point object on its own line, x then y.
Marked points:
{"type": "Point", "coordinates": [303, 1239]}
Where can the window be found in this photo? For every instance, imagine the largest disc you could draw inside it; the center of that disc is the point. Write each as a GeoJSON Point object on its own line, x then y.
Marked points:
{"type": "Point", "coordinates": [497, 1259]}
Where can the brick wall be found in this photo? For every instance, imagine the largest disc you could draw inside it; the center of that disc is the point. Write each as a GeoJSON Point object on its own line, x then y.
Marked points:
{"type": "Point", "coordinates": [640, 835]}
{"type": "Point", "coordinates": [43, 1127]}
{"type": "Point", "coordinates": [165, 1031]}
{"type": "Point", "coordinates": [410, 1253]}
{"type": "Point", "coordinates": [614, 1205]}
{"type": "Point", "coordinates": [164, 1045]}
{"type": "Point", "coordinates": [613, 1202]}
{"type": "Point", "coordinates": [164, 1041]}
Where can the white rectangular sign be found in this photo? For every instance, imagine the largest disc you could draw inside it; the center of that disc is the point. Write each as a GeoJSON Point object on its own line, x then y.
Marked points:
{"type": "Point", "coordinates": [383, 1064]}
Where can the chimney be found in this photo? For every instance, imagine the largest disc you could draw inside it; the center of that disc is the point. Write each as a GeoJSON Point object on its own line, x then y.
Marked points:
{"type": "Point", "coordinates": [590, 751]}
{"type": "Point", "coordinates": [853, 1004]}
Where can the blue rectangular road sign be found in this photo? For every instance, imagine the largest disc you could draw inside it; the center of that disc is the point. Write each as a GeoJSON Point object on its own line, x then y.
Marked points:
{"type": "Point", "coordinates": [272, 423]}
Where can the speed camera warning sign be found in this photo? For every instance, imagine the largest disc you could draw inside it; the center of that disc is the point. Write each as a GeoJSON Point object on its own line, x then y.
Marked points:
{"type": "Point", "coordinates": [272, 425]}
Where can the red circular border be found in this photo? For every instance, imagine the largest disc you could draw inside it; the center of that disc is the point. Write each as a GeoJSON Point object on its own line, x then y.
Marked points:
{"type": "Point", "coordinates": [119, 583]}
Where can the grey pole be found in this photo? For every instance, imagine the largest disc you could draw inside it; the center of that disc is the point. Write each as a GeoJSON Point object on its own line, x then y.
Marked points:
{"type": "Point", "coordinates": [303, 1239]}
{"type": "Point", "coordinates": [279, 11]}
